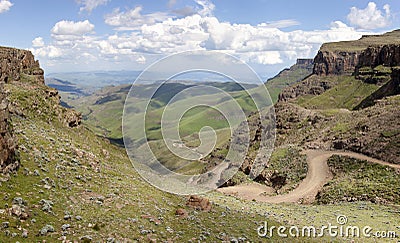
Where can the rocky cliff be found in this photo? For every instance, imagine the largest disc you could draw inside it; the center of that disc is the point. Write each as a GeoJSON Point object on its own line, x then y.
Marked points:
{"type": "Point", "coordinates": [350, 101]}
{"type": "Point", "coordinates": [340, 62]}
{"type": "Point", "coordinates": [15, 62]}
{"type": "Point", "coordinates": [8, 162]}
{"type": "Point", "coordinates": [335, 62]}
{"type": "Point", "coordinates": [338, 58]}
{"type": "Point", "coordinates": [386, 55]}
{"type": "Point", "coordinates": [369, 59]}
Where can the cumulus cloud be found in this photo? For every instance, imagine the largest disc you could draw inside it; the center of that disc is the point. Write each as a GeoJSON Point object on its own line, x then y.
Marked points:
{"type": "Point", "coordinates": [5, 5]}
{"type": "Point", "coordinates": [155, 35]}
{"type": "Point", "coordinates": [132, 18]}
{"type": "Point", "coordinates": [38, 42]}
{"type": "Point", "coordinates": [67, 30]}
{"type": "Point", "coordinates": [207, 7]}
{"type": "Point", "coordinates": [262, 44]}
{"type": "Point", "coordinates": [89, 5]}
{"type": "Point", "coordinates": [48, 52]}
{"type": "Point", "coordinates": [370, 17]}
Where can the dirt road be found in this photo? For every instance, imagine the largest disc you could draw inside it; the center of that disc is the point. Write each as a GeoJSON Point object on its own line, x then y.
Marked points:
{"type": "Point", "coordinates": [318, 174]}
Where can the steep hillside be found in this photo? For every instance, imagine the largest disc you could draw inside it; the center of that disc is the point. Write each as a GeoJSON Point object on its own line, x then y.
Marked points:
{"type": "Point", "coordinates": [339, 58]}
{"type": "Point", "coordinates": [329, 100]}
{"type": "Point", "coordinates": [289, 76]}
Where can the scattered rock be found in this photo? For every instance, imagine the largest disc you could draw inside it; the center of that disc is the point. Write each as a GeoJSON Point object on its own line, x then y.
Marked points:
{"type": "Point", "coordinates": [86, 238]}
{"type": "Point", "coordinates": [199, 203]}
{"type": "Point", "coordinates": [47, 205]}
{"type": "Point", "coordinates": [5, 225]}
{"type": "Point", "coordinates": [47, 229]}
{"type": "Point", "coordinates": [181, 213]}
{"type": "Point", "coordinates": [18, 211]}
{"type": "Point", "coordinates": [65, 227]}
{"type": "Point", "coordinates": [110, 240]}
{"type": "Point", "coordinates": [24, 233]}
{"type": "Point", "coordinates": [19, 201]}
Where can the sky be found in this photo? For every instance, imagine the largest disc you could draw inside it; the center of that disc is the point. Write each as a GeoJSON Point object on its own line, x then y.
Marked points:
{"type": "Point", "coordinates": [92, 35]}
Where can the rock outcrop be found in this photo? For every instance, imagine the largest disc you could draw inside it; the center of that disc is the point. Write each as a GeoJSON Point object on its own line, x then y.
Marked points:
{"type": "Point", "coordinates": [386, 55]}
{"type": "Point", "coordinates": [338, 58]}
{"type": "Point", "coordinates": [358, 58]}
{"type": "Point", "coordinates": [199, 203]}
{"type": "Point", "coordinates": [313, 85]}
{"type": "Point", "coordinates": [15, 63]}
{"type": "Point", "coordinates": [19, 67]}
{"type": "Point", "coordinates": [8, 161]}
{"type": "Point", "coordinates": [335, 62]}
{"type": "Point", "coordinates": [304, 62]}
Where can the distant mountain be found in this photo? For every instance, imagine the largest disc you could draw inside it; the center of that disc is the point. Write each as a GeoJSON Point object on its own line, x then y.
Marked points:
{"type": "Point", "coordinates": [103, 107]}
{"type": "Point", "coordinates": [94, 80]}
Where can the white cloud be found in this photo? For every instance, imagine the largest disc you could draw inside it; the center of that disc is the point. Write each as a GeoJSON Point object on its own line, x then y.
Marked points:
{"type": "Point", "coordinates": [132, 19]}
{"type": "Point", "coordinates": [50, 52]}
{"type": "Point", "coordinates": [207, 7]}
{"type": "Point", "coordinates": [5, 5]}
{"type": "Point", "coordinates": [280, 24]}
{"type": "Point", "coordinates": [370, 17]}
{"type": "Point", "coordinates": [158, 34]}
{"type": "Point", "coordinates": [265, 57]}
{"type": "Point", "coordinates": [89, 5]}
{"type": "Point", "coordinates": [69, 30]}
{"type": "Point", "coordinates": [38, 42]}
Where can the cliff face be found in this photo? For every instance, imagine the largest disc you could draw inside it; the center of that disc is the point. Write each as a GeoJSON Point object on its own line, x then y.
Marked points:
{"type": "Point", "coordinates": [20, 74]}
{"type": "Point", "coordinates": [335, 62]}
{"type": "Point", "coordinates": [15, 62]}
{"type": "Point", "coordinates": [7, 141]}
{"type": "Point", "coordinates": [387, 55]}
{"type": "Point", "coordinates": [344, 57]}
{"type": "Point", "coordinates": [370, 59]}
{"type": "Point", "coordinates": [304, 62]}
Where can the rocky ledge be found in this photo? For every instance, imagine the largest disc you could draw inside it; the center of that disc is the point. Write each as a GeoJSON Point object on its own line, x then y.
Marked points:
{"type": "Point", "coordinates": [15, 62]}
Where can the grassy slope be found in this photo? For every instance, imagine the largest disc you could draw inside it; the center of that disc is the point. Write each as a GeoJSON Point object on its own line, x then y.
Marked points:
{"type": "Point", "coordinates": [284, 79]}
{"type": "Point", "coordinates": [86, 176]}
{"type": "Point", "coordinates": [361, 44]}
{"type": "Point", "coordinates": [347, 94]}
{"type": "Point", "coordinates": [356, 180]}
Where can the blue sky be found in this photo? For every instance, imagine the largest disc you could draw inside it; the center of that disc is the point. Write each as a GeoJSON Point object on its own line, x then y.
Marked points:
{"type": "Point", "coordinates": [84, 35]}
